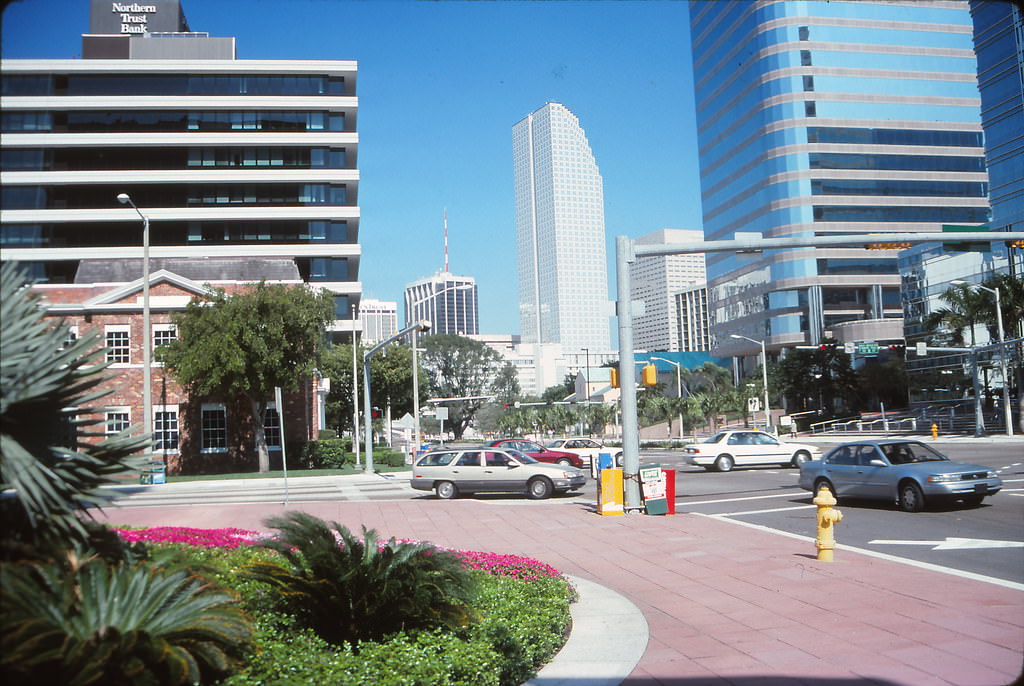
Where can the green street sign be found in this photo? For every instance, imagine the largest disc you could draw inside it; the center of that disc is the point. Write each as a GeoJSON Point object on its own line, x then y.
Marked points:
{"type": "Point", "coordinates": [867, 348]}
{"type": "Point", "coordinates": [965, 246]}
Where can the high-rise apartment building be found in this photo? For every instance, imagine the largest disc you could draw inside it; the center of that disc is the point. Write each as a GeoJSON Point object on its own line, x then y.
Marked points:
{"type": "Point", "coordinates": [829, 118]}
{"type": "Point", "coordinates": [691, 320]}
{"type": "Point", "coordinates": [999, 44]}
{"type": "Point", "coordinates": [447, 301]}
{"type": "Point", "coordinates": [560, 236]}
{"type": "Point", "coordinates": [378, 320]}
{"type": "Point", "coordinates": [656, 280]}
{"type": "Point", "coordinates": [238, 161]}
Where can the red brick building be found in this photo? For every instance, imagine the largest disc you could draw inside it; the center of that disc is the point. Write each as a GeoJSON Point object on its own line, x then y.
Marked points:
{"type": "Point", "coordinates": [191, 435]}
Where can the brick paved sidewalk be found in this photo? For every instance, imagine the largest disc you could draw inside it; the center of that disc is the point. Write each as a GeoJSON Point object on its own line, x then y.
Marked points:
{"type": "Point", "coordinates": [724, 603]}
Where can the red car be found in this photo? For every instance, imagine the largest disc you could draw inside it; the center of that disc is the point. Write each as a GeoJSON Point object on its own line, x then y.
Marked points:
{"type": "Point", "coordinates": [538, 452]}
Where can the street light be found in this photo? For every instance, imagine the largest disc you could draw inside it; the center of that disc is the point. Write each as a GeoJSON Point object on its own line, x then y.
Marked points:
{"type": "Point", "coordinates": [764, 374]}
{"type": "Point", "coordinates": [679, 388]}
{"type": "Point", "coordinates": [147, 371]}
{"type": "Point", "coordinates": [355, 387]}
{"type": "Point", "coordinates": [1008, 414]}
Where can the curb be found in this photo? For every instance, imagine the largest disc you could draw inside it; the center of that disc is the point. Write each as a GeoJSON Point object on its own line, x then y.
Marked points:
{"type": "Point", "coordinates": [609, 636]}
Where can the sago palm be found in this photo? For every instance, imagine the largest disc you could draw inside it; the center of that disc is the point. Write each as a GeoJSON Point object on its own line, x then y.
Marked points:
{"type": "Point", "coordinates": [88, 623]}
{"type": "Point", "coordinates": [354, 590]}
{"type": "Point", "coordinates": [48, 390]}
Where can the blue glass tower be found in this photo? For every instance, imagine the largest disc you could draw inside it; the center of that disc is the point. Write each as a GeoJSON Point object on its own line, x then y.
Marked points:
{"type": "Point", "coordinates": [829, 118]}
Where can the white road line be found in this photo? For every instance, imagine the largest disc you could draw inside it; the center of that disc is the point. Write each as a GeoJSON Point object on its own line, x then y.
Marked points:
{"type": "Point", "coordinates": [752, 497]}
{"type": "Point", "coordinates": [884, 556]}
{"type": "Point", "coordinates": [774, 509]}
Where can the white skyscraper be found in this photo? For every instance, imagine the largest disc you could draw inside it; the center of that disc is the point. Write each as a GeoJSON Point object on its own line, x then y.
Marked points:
{"type": "Point", "coordinates": [656, 280]}
{"type": "Point", "coordinates": [447, 301]}
{"type": "Point", "coordinates": [560, 237]}
{"type": "Point", "coordinates": [379, 319]}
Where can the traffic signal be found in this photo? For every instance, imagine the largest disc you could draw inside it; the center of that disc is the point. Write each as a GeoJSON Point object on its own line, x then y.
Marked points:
{"type": "Point", "coordinates": [898, 245]}
{"type": "Point", "coordinates": [614, 377]}
{"type": "Point", "coordinates": [827, 346]}
{"type": "Point", "coordinates": [898, 348]}
{"type": "Point", "coordinates": [1015, 244]}
{"type": "Point", "coordinates": [649, 375]}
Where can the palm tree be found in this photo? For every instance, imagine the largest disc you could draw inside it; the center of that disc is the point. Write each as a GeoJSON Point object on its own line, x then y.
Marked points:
{"type": "Point", "coordinates": [47, 486]}
{"type": "Point", "coordinates": [356, 590]}
{"type": "Point", "coordinates": [966, 307]}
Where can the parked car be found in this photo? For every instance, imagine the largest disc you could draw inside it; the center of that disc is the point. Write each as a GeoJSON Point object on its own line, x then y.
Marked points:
{"type": "Point", "coordinates": [587, 448]}
{"type": "Point", "coordinates": [909, 473]}
{"type": "Point", "coordinates": [747, 447]}
{"type": "Point", "coordinates": [487, 470]}
{"type": "Point", "coordinates": [538, 452]}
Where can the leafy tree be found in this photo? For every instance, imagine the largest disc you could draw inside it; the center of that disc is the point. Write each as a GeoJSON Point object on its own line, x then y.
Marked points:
{"type": "Point", "coordinates": [47, 479]}
{"type": "Point", "coordinates": [506, 385]}
{"type": "Point", "coordinates": [245, 345]}
{"type": "Point", "coordinates": [83, 623]}
{"type": "Point", "coordinates": [598, 416]}
{"type": "Point", "coordinates": [965, 308]}
{"type": "Point", "coordinates": [460, 367]}
{"type": "Point", "coordinates": [353, 590]}
{"type": "Point", "coordinates": [816, 379]}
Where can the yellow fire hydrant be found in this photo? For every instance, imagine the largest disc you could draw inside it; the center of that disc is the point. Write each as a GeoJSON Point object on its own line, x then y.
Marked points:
{"type": "Point", "coordinates": [935, 432]}
{"type": "Point", "coordinates": [827, 516]}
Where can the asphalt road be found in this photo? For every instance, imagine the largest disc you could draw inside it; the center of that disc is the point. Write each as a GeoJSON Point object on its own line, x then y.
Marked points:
{"type": "Point", "coordinates": [986, 540]}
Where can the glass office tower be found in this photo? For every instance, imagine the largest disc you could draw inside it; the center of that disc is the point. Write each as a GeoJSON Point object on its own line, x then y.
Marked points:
{"type": "Point", "coordinates": [449, 302]}
{"type": "Point", "coordinates": [563, 262]}
{"type": "Point", "coordinates": [824, 118]}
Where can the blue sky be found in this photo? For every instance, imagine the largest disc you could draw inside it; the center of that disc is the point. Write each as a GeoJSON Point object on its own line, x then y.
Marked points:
{"type": "Point", "coordinates": [440, 85]}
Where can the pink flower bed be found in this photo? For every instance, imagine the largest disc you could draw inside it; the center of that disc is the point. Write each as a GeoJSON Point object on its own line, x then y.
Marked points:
{"type": "Point", "coordinates": [516, 566]}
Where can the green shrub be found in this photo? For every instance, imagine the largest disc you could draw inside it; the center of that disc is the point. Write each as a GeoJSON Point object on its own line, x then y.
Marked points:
{"type": "Point", "coordinates": [93, 623]}
{"type": "Point", "coordinates": [390, 458]}
{"type": "Point", "coordinates": [359, 590]}
{"type": "Point", "coordinates": [332, 453]}
{"type": "Point", "coordinates": [326, 434]}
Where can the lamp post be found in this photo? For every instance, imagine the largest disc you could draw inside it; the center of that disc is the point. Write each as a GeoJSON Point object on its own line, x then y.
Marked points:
{"type": "Point", "coordinates": [147, 366]}
{"type": "Point", "coordinates": [1008, 413]}
{"type": "Point", "coordinates": [764, 375]}
{"type": "Point", "coordinates": [355, 388]}
{"type": "Point", "coordinates": [679, 388]}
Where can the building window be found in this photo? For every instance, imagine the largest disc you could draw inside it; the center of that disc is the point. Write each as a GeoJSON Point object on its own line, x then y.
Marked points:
{"type": "Point", "coordinates": [165, 428]}
{"type": "Point", "coordinates": [118, 344]}
{"type": "Point", "coordinates": [71, 337]}
{"type": "Point", "coordinates": [272, 427]}
{"type": "Point", "coordinates": [163, 334]}
{"type": "Point", "coordinates": [214, 428]}
{"type": "Point", "coordinates": [810, 109]}
{"type": "Point", "coordinates": [804, 32]}
{"type": "Point", "coordinates": [808, 83]}
{"type": "Point", "coordinates": [117, 420]}
{"type": "Point", "coordinates": [805, 58]}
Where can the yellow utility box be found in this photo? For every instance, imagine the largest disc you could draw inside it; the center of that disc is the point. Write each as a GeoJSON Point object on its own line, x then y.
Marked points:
{"type": "Point", "coordinates": [609, 492]}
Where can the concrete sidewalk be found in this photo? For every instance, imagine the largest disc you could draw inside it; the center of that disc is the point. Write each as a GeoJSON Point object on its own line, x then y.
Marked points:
{"type": "Point", "coordinates": [723, 603]}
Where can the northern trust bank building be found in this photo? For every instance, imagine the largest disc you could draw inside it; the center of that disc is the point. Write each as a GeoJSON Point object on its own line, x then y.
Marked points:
{"type": "Point", "coordinates": [246, 169]}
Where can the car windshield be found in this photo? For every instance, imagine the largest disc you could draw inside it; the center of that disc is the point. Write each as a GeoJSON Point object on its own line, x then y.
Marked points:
{"type": "Point", "coordinates": [522, 458]}
{"type": "Point", "coordinates": [555, 444]}
{"type": "Point", "coordinates": [905, 453]}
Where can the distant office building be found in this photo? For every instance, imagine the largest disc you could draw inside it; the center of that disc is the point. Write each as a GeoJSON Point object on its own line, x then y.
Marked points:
{"type": "Point", "coordinates": [999, 44]}
{"type": "Point", "coordinates": [829, 118]}
{"type": "Point", "coordinates": [245, 159]}
{"type": "Point", "coordinates": [447, 301]}
{"type": "Point", "coordinates": [655, 281]}
{"type": "Point", "coordinates": [378, 319]}
{"type": "Point", "coordinates": [691, 319]}
{"type": "Point", "coordinates": [560, 235]}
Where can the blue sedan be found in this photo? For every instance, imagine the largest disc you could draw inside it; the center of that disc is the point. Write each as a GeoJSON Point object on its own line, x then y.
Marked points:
{"type": "Point", "coordinates": [909, 473]}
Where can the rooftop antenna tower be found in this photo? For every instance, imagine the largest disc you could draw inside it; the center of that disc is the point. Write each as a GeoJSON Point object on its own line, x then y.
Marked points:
{"type": "Point", "coordinates": [446, 240]}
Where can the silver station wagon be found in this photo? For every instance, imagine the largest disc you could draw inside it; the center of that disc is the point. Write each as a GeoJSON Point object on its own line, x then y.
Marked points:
{"type": "Point", "coordinates": [492, 470]}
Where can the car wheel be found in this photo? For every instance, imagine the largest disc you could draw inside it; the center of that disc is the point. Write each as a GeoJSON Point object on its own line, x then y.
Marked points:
{"type": "Point", "coordinates": [724, 463]}
{"type": "Point", "coordinates": [540, 488]}
{"type": "Point", "coordinates": [564, 462]}
{"type": "Point", "coordinates": [800, 458]}
{"type": "Point", "coordinates": [911, 498]}
{"type": "Point", "coordinates": [825, 483]}
{"type": "Point", "coordinates": [446, 490]}
{"type": "Point", "coordinates": [973, 500]}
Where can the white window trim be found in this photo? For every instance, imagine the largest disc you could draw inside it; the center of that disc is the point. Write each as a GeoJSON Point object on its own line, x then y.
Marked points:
{"type": "Point", "coordinates": [271, 405]}
{"type": "Point", "coordinates": [177, 414]}
{"type": "Point", "coordinates": [205, 407]}
{"type": "Point", "coordinates": [111, 410]}
{"type": "Point", "coordinates": [152, 338]}
{"type": "Point", "coordinates": [118, 328]}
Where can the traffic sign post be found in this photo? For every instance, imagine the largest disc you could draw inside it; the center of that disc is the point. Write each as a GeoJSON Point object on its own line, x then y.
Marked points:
{"type": "Point", "coordinates": [867, 348]}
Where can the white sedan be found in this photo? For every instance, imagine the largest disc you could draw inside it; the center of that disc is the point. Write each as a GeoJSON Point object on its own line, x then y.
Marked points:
{"type": "Point", "coordinates": [729, 449]}
{"type": "Point", "coordinates": [587, 448]}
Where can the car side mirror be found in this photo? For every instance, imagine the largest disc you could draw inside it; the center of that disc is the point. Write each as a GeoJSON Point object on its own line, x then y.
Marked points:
{"type": "Point", "coordinates": [511, 465]}
{"type": "Point", "coordinates": [877, 463]}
